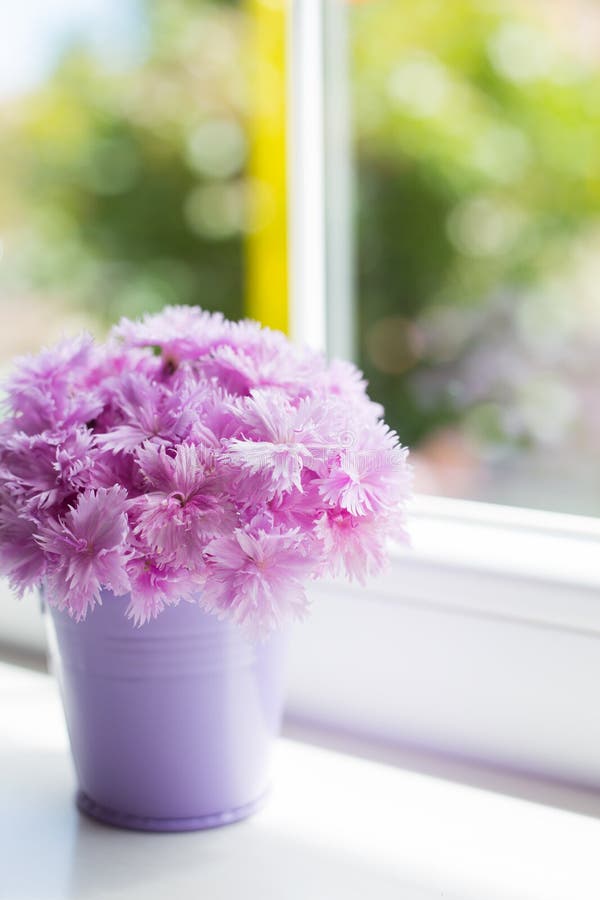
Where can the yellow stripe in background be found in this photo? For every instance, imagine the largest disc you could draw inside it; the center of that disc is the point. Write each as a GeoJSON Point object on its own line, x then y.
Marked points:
{"type": "Point", "coordinates": [266, 246]}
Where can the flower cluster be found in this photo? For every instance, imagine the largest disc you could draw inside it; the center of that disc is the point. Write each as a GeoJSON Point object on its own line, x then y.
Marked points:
{"type": "Point", "coordinates": [194, 458]}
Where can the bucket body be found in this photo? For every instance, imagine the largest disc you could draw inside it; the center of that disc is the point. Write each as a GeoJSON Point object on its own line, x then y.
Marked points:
{"type": "Point", "coordinates": [171, 724]}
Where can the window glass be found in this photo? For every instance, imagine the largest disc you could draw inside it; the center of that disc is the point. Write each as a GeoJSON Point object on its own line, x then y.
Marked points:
{"type": "Point", "coordinates": [124, 148]}
{"type": "Point", "coordinates": [477, 158]}
{"type": "Point", "coordinates": [139, 169]}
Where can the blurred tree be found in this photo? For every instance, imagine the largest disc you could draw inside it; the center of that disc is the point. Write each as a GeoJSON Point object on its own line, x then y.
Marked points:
{"type": "Point", "coordinates": [129, 184]}
{"type": "Point", "coordinates": [478, 176]}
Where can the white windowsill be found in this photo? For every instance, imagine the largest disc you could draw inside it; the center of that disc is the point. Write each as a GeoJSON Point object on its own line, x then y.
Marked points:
{"type": "Point", "coordinates": [514, 564]}
{"type": "Point", "coordinates": [468, 557]}
{"type": "Point", "coordinates": [335, 827]}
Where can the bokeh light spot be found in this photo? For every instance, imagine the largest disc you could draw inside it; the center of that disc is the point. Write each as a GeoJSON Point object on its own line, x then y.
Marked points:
{"type": "Point", "coordinates": [217, 148]}
{"type": "Point", "coordinates": [216, 210]}
{"type": "Point", "coordinates": [419, 85]}
{"type": "Point", "coordinates": [483, 226]}
{"type": "Point", "coordinates": [394, 344]}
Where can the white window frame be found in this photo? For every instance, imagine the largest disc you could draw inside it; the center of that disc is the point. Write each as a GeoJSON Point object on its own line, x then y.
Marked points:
{"type": "Point", "coordinates": [483, 640]}
{"type": "Point", "coordinates": [496, 609]}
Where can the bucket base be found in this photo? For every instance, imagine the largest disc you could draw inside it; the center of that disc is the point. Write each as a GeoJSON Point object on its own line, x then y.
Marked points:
{"type": "Point", "coordinates": [141, 823]}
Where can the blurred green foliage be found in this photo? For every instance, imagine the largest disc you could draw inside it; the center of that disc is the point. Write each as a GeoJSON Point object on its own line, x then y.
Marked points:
{"type": "Point", "coordinates": [128, 185]}
{"type": "Point", "coordinates": [478, 172]}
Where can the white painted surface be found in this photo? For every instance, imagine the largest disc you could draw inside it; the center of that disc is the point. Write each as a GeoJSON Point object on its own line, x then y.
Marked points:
{"type": "Point", "coordinates": [306, 173]}
{"type": "Point", "coordinates": [335, 827]}
{"type": "Point", "coordinates": [506, 693]}
{"type": "Point", "coordinates": [482, 642]}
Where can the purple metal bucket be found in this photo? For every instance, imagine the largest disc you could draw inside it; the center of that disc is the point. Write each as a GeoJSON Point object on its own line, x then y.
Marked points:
{"type": "Point", "coordinates": [172, 724]}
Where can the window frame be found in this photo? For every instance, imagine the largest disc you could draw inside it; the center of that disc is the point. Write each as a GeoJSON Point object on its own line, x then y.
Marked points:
{"type": "Point", "coordinates": [482, 642]}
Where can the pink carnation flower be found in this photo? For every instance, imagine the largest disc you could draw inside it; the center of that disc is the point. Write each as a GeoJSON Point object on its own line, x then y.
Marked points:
{"type": "Point", "coordinates": [257, 580]}
{"type": "Point", "coordinates": [369, 477]}
{"type": "Point", "coordinates": [191, 458]}
{"type": "Point", "coordinates": [47, 468]}
{"type": "Point", "coordinates": [22, 560]}
{"type": "Point", "coordinates": [156, 585]}
{"type": "Point", "coordinates": [180, 332]}
{"type": "Point", "coordinates": [86, 551]}
{"type": "Point", "coordinates": [145, 410]}
{"type": "Point", "coordinates": [185, 504]}
{"type": "Point", "coordinates": [47, 391]}
{"type": "Point", "coordinates": [351, 546]}
{"type": "Point", "coordinates": [280, 440]}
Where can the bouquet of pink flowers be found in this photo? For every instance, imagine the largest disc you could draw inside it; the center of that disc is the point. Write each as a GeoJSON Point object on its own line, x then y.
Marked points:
{"type": "Point", "coordinates": [192, 458]}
